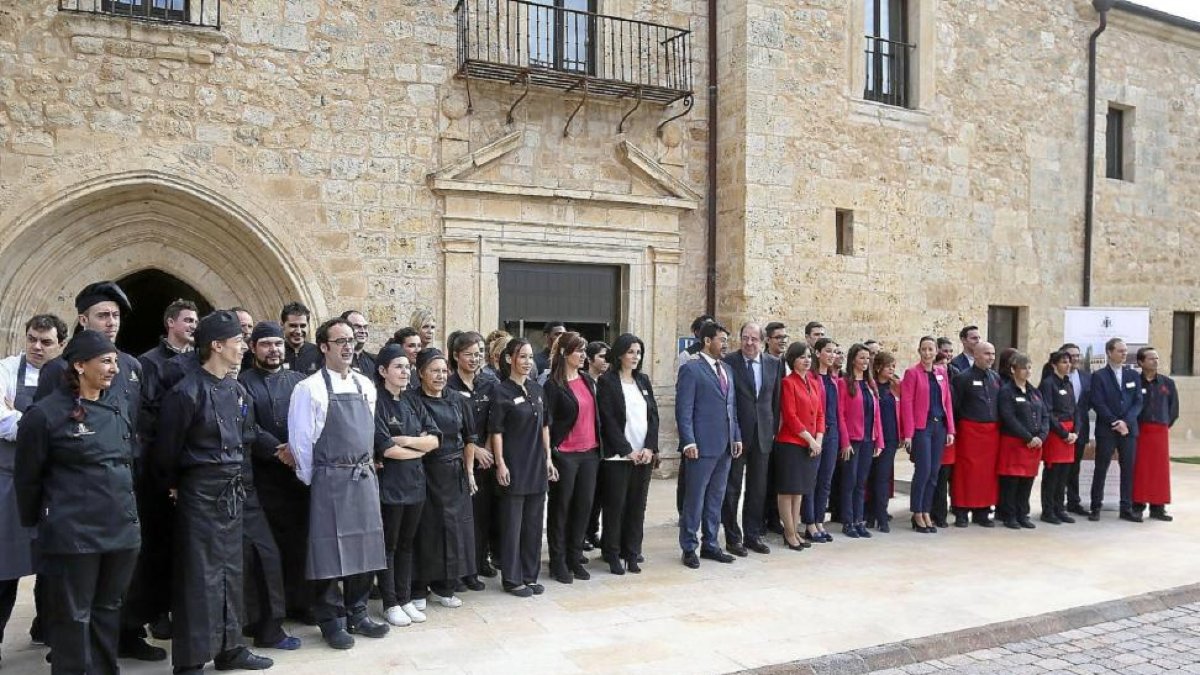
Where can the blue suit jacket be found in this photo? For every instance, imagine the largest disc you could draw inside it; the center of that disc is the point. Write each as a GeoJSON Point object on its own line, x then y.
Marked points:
{"type": "Point", "coordinates": [1112, 403]}
{"type": "Point", "coordinates": [961, 363]}
{"type": "Point", "coordinates": [703, 414]}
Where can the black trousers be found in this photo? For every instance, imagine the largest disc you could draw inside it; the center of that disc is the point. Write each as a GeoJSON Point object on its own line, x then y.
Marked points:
{"type": "Point", "coordinates": [1125, 448]}
{"type": "Point", "coordinates": [487, 525]}
{"type": "Point", "coordinates": [625, 489]}
{"type": "Point", "coordinates": [8, 598]}
{"type": "Point", "coordinates": [753, 466]}
{"type": "Point", "coordinates": [1054, 488]}
{"type": "Point", "coordinates": [1073, 498]}
{"type": "Point", "coordinates": [941, 493]}
{"type": "Point", "coordinates": [521, 537]}
{"type": "Point", "coordinates": [1013, 503]}
{"type": "Point", "coordinates": [400, 523]}
{"type": "Point", "coordinates": [149, 595]}
{"type": "Point", "coordinates": [331, 602]}
{"type": "Point", "coordinates": [84, 594]}
{"type": "Point", "coordinates": [593, 528]}
{"type": "Point", "coordinates": [771, 519]}
{"type": "Point", "coordinates": [680, 484]}
{"type": "Point", "coordinates": [570, 507]}
{"type": "Point", "coordinates": [285, 501]}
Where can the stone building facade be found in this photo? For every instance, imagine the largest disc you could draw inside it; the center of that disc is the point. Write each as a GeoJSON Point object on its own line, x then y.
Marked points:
{"type": "Point", "coordinates": [327, 151]}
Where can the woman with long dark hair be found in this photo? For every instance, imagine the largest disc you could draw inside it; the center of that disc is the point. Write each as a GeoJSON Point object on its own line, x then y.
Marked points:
{"type": "Point", "coordinates": [74, 452]}
{"type": "Point", "coordinates": [521, 442]}
{"type": "Point", "coordinates": [859, 402]}
{"type": "Point", "coordinates": [404, 434]}
{"type": "Point", "coordinates": [575, 445]}
{"type": "Point", "coordinates": [835, 431]}
{"type": "Point", "coordinates": [629, 428]}
{"type": "Point", "coordinates": [478, 388]}
{"type": "Point", "coordinates": [446, 537]}
{"type": "Point", "coordinates": [883, 368]}
{"type": "Point", "coordinates": [798, 444]}
{"type": "Point", "coordinates": [927, 427]}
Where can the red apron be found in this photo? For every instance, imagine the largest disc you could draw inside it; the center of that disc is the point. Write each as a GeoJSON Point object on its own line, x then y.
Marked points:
{"type": "Point", "coordinates": [973, 484]}
{"type": "Point", "coordinates": [1015, 459]}
{"type": "Point", "coordinates": [948, 455]}
{"type": "Point", "coordinates": [1152, 466]}
{"type": "Point", "coordinates": [1057, 451]}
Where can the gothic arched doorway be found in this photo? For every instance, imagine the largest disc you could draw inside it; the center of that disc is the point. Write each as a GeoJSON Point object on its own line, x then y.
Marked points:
{"type": "Point", "coordinates": [150, 291]}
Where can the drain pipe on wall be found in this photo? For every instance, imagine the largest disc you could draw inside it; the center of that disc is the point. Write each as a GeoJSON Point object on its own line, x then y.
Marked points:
{"type": "Point", "coordinates": [1101, 6]}
{"type": "Point", "coordinates": [710, 277]}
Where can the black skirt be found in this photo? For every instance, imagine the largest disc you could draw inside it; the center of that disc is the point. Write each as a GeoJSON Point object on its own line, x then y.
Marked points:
{"type": "Point", "coordinates": [795, 469]}
{"type": "Point", "coordinates": [445, 546]}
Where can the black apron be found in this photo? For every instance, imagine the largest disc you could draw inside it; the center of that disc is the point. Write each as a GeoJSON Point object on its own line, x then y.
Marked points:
{"type": "Point", "coordinates": [345, 531]}
{"type": "Point", "coordinates": [262, 564]}
{"type": "Point", "coordinates": [446, 538]}
{"type": "Point", "coordinates": [208, 589]}
{"type": "Point", "coordinates": [16, 542]}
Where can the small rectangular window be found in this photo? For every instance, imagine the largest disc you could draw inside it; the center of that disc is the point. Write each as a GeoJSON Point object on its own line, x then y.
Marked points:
{"type": "Point", "coordinates": [1003, 329]}
{"type": "Point", "coordinates": [844, 222]}
{"type": "Point", "coordinates": [1183, 343]}
{"type": "Point", "coordinates": [1114, 147]}
{"type": "Point", "coordinates": [170, 10]}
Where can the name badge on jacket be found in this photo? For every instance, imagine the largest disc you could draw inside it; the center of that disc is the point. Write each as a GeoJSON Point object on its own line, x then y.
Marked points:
{"type": "Point", "coordinates": [977, 383]}
{"type": "Point", "coordinates": [1020, 399]}
{"type": "Point", "coordinates": [939, 378]}
{"type": "Point", "coordinates": [518, 400]}
{"type": "Point", "coordinates": [1062, 392]}
{"type": "Point", "coordinates": [1130, 385]}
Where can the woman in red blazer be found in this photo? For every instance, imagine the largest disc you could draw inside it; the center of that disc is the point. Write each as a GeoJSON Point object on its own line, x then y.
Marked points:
{"type": "Point", "coordinates": [798, 443]}
{"type": "Point", "coordinates": [859, 400]}
{"type": "Point", "coordinates": [927, 427]}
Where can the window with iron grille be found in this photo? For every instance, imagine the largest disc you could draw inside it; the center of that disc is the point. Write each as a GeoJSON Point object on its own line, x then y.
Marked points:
{"type": "Point", "coordinates": [889, 53]}
{"type": "Point", "coordinates": [205, 13]}
{"type": "Point", "coordinates": [561, 35]}
{"type": "Point", "coordinates": [174, 10]}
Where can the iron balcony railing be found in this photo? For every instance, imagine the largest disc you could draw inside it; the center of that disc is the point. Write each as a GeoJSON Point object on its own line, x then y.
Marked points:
{"type": "Point", "coordinates": [509, 40]}
{"type": "Point", "coordinates": [203, 13]}
{"type": "Point", "coordinates": [888, 64]}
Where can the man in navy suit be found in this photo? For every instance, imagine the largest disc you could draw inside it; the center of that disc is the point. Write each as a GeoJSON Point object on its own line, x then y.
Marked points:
{"type": "Point", "coordinates": [969, 337]}
{"type": "Point", "coordinates": [706, 415]}
{"type": "Point", "coordinates": [1117, 400]}
{"type": "Point", "coordinates": [1081, 384]}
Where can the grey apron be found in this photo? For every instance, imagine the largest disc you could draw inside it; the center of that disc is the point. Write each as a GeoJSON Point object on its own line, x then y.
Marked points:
{"type": "Point", "coordinates": [16, 542]}
{"type": "Point", "coordinates": [345, 532]}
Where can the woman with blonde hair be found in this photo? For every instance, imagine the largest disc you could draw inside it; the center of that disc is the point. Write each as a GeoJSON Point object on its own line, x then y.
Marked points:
{"type": "Point", "coordinates": [493, 352]}
{"type": "Point", "coordinates": [425, 324]}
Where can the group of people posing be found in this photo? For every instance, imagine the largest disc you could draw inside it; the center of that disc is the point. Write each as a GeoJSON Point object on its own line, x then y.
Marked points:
{"type": "Point", "coordinates": [237, 475]}
{"type": "Point", "coordinates": [807, 428]}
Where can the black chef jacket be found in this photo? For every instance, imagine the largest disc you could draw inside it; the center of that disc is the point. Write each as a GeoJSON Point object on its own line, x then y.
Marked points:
{"type": "Point", "coordinates": [1160, 400]}
{"type": "Point", "coordinates": [519, 415]}
{"type": "Point", "coordinates": [401, 481]}
{"type": "Point", "coordinates": [1059, 397]}
{"type": "Point", "coordinates": [201, 423]}
{"type": "Point", "coordinates": [975, 392]}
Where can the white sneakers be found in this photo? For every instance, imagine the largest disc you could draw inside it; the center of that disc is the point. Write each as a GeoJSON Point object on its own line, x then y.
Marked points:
{"type": "Point", "coordinates": [418, 604]}
{"type": "Point", "coordinates": [396, 616]}
{"type": "Point", "coordinates": [451, 601]}
{"type": "Point", "coordinates": [413, 613]}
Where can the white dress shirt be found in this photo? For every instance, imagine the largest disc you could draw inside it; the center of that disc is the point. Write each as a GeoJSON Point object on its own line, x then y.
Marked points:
{"type": "Point", "coordinates": [1076, 384]}
{"type": "Point", "coordinates": [9, 417]}
{"type": "Point", "coordinates": [306, 414]}
{"type": "Point", "coordinates": [1117, 371]}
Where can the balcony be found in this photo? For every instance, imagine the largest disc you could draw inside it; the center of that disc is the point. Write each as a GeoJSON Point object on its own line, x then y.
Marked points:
{"type": "Point", "coordinates": [543, 43]}
{"type": "Point", "coordinates": [202, 13]}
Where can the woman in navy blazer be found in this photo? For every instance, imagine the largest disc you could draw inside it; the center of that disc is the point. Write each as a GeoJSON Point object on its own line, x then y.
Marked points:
{"type": "Point", "coordinates": [927, 419]}
{"type": "Point", "coordinates": [625, 471]}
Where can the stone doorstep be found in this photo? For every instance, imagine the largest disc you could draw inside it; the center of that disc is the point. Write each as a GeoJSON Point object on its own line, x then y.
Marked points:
{"type": "Point", "coordinates": [917, 650]}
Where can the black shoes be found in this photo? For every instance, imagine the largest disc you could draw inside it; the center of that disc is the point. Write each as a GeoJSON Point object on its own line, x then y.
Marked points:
{"type": "Point", "coordinates": [690, 560]}
{"type": "Point", "coordinates": [941, 522]}
{"type": "Point", "coordinates": [562, 576]}
{"type": "Point", "coordinates": [758, 546]}
{"type": "Point", "coordinates": [522, 591]}
{"type": "Point", "coordinates": [1160, 513]}
{"type": "Point", "coordinates": [1026, 523]}
{"type": "Point", "coordinates": [160, 628]}
{"type": "Point", "coordinates": [1078, 510]}
{"type": "Point", "coordinates": [473, 583]}
{"type": "Point", "coordinates": [335, 635]}
{"type": "Point", "coordinates": [1131, 516]}
{"type": "Point", "coordinates": [1094, 516]}
{"type": "Point", "coordinates": [983, 520]}
{"type": "Point", "coordinates": [1012, 524]}
{"type": "Point", "coordinates": [861, 530]}
{"type": "Point", "coordinates": [140, 650]}
{"type": "Point", "coordinates": [615, 566]}
{"type": "Point", "coordinates": [241, 659]}
{"type": "Point", "coordinates": [536, 588]}
{"type": "Point", "coordinates": [1063, 517]}
{"type": "Point", "coordinates": [1051, 517]}
{"type": "Point", "coordinates": [632, 566]}
{"type": "Point", "coordinates": [850, 531]}
{"type": "Point", "coordinates": [487, 570]}
{"type": "Point", "coordinates": [580, 573]}
{"type": "Point", "coordinates": [961, 520]}
{"type": "Point", "coordinates": [366, 626]}
{"type": "Point", "coordinates": [737, 549]}
{"type": "Point", "coordinates": [716, 555]}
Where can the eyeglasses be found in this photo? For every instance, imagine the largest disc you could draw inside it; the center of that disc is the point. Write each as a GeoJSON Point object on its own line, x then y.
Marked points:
{"type": "Point", "coordinates": [341, 342]}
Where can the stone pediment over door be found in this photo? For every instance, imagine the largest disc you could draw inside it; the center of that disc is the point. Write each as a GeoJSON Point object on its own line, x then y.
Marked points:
{"type": "Point", "coordinates": [462, 176]}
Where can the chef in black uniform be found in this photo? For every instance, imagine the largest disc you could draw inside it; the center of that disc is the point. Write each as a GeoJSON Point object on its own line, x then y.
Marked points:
{"type": "Point", "coordinates": [477, 386]}
{"type": "Point", "coordinates": [74, 483]}
{"type": "Point", "coordinates": [520, 431]}
{"type": "Point", "coordinates": [200, 453]}
{"type": "Point", "coordinates": [364, 361]}
{"type": "Point", "coordinates": [282, 496]}
{"type": "Point", "coordinates": [446, 538]}
{"type": "Point", "coordinates": [300, 355]}
{"type": "Point", "coordinates": [101, 306]}
{"type": "Point", "coordinates": [404, 434]}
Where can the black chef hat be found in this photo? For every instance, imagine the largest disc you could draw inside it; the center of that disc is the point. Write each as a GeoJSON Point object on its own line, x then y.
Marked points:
{"type": "Point", "coordinates": [389, 353]}
{"type": "Point", "coordinates": [220, 325]}
{"type": "Point", "coordinates": [428, 354]}
{"type": "Point", "coordinates": [102, 291]}
{"type": "Point", "coordinates": [266, 329]}
{"type": "Point", "coordinates": [87, 345]}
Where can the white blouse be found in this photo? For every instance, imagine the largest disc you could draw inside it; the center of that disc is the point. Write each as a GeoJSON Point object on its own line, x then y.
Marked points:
{"type": "Point", "coordinates": [636, 422]}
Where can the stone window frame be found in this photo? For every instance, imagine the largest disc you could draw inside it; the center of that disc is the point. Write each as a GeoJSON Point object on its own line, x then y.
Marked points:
{"type": "Point", "coordinates": [1128, 147]}
{"type": "Point", "coordinates": [922, 32]}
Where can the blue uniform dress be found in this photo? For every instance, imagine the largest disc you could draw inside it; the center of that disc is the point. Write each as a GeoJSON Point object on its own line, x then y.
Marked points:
{"type": "Point", "coordinates": [883, 466]}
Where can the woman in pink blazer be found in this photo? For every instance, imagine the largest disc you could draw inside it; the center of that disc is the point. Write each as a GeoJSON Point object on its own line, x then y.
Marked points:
{"type": "Point", "coordinates": [859, 400]}
{"type": "Point", "coordinates": [927, 427]}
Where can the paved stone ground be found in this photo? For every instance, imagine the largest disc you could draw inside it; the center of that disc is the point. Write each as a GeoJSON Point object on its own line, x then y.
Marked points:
{"type": "Point", "coordinates": [1158, 642]}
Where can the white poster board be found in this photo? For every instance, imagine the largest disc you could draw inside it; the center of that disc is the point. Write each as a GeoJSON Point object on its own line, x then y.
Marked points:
{"type": "Point", "coordinates": [1091, 327]}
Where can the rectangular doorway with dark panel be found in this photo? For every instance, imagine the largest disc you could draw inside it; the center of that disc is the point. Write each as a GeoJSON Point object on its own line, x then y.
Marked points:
{"type": "Point", "coordinates": [587, 298]}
